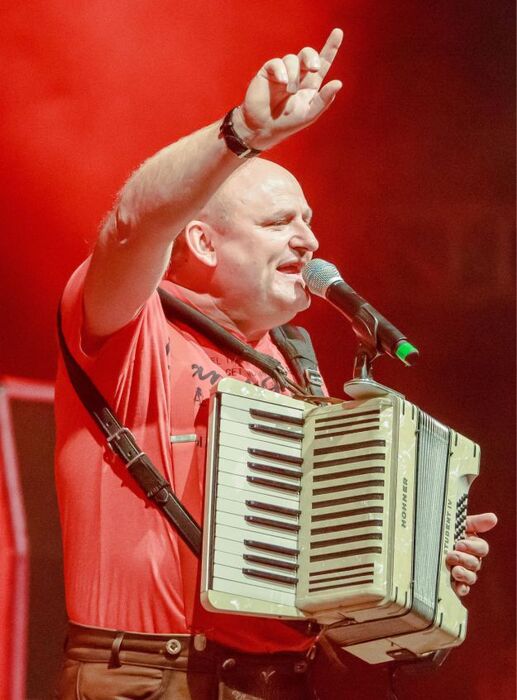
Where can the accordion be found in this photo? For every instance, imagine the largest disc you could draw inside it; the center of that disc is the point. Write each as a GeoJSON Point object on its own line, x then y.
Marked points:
{"type": "Point", "coordinates": [341, 513]}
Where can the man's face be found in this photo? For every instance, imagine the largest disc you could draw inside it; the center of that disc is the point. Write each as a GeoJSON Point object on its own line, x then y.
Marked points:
{"type": "Point", "coordinates": [262, 245]}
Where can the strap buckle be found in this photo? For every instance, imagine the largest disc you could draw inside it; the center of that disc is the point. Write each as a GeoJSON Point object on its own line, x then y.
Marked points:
{"type": "Point", "coordinates": [314, 377]}
{"type": "Point", "coordinates": [123, 443]}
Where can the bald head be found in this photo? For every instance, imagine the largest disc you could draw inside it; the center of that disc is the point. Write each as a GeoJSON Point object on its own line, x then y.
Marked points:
{"type": "Point", "coordinates": [257, 177]}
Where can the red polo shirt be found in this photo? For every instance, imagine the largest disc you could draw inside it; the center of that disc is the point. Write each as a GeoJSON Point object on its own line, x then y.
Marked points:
{"type": "Point", "coordinates": [125, 566]}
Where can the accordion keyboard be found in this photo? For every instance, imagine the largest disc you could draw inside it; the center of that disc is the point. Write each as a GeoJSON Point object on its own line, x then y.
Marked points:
{"type": "Point", "coordinates": [256, 514]}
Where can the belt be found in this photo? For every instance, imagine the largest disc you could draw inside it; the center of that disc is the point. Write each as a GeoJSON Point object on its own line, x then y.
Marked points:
{"type": "Point", "coordinates": [176, 651]}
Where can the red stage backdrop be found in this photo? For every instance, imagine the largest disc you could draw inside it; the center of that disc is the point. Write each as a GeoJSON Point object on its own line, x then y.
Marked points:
{"type": "Point", "coordinates": [410, 175]}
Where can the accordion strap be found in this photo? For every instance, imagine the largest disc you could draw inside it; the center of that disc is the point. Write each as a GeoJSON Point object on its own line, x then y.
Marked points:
{"type": "Point", "coordinates": [123, 443]}
{"type": "Point", "coordinates": [293, 342]}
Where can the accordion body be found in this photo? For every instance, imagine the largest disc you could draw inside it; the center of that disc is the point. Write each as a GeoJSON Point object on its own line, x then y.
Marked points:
{"type": "Point", "coordinates": [341, 513]}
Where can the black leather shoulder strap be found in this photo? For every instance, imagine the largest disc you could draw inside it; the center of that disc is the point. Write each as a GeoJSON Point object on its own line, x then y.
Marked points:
{"type": "Point", "coordinates": [176, 310]}
{"type": "Point", "coordinates": [295, 344]}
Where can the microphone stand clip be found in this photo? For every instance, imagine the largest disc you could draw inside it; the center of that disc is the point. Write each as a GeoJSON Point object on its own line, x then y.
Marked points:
{"type": "Point", "coordinates": [363, 385]}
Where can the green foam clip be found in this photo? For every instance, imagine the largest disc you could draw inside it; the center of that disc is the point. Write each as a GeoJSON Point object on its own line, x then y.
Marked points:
{"type": "Point", "coordinates": [405, 349]}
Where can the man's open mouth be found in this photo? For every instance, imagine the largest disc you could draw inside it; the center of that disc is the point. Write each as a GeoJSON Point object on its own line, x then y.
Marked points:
{"type": "Point", "coordinates": [292, 268]}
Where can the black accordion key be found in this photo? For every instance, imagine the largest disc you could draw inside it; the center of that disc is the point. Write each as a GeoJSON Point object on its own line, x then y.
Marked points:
{"type": "Point", "coordinates": [276, 524]}
{"type": "Point", "coordinates": [269, 576]}
{"type": "Point", "coordinates": [269, 547]}
{"type": "Point", "coordinates": [276, 456]}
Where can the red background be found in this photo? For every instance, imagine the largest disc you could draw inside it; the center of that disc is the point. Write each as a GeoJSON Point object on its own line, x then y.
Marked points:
{"type": "Point", "coordinates": [410, 175]}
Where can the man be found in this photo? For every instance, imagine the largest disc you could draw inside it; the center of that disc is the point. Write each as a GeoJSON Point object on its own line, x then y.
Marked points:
{"type": "Point", "coordinates": [132, 584]}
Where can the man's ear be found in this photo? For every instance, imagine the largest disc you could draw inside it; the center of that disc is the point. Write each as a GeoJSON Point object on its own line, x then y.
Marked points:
{"type": "Point", "coordinates": [199, 237]}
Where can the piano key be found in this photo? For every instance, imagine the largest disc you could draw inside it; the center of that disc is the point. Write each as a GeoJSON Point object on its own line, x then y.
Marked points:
{"type": "Point", "coordinates": [242, 508]}
{"type": "Point", "coordinates": [275, 563]}
{"type": "Point", "coordinates": [239, 482]}
{"type": "Point", "coordinates": [294, 512]}
{"type": "Point", "coordinates": [238, 575]}
{"type": "Point", "coordinates": [229, 494]}
{"type": "Point", "coordinates": [233, 528]}
{"type": "Point", "coordinates": [287, 408]}
{"type": "Point", "coordinates": [269, 576]}
{"type": "Point", "coordinates": [276, 595]}
{"type": "Point", "coordinates": [272, 523]}
{"type": "Point", "coordinates": [293, 457]}
{"type": "Point", "coordinates": [243, 416]}
{"type": "Point", "coordinates": [246, 439]}
{"type": "Point", "coordinates": [244, 547]}
{"type": "Point", "coordinates": [276, 432]}
{"type": "Point", "coordinates": [276, 417]}
{"type": "Point", "coordinates": [245, 468]}
{"type": "Point", "coordinates": [293, 488]}
{"type": "Point", "coordinates": [237, 562]}
{"type": "Point", "coordinates": [280, 435]}
{"type": "Point", "coordinates": [270, 547]}
{"type": "Point", "coordinates": [281, 471]}
{"type": "Point", "coordinates": [241, 457]}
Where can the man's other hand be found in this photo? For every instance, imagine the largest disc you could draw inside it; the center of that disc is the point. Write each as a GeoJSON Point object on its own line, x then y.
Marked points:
{"type": "Point", "coordinates": [465, 560]}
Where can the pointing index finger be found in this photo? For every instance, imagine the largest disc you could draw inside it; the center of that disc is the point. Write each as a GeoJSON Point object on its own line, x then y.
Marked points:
{"type": "Point", "coordinates": [329, 50]}
{"type": "Point", "coordinates": [313, 80]}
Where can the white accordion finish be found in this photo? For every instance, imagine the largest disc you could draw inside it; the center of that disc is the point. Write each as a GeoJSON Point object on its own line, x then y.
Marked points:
{"type": "Point", "coordinates": [340, 513]}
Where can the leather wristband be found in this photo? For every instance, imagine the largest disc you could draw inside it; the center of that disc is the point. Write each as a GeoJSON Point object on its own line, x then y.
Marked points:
{"type": "Point", "coordinates": [233, 141]}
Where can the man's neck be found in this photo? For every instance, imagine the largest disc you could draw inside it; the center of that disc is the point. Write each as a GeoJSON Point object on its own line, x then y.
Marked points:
{"type": "Point", "coordinates": [215, 310]}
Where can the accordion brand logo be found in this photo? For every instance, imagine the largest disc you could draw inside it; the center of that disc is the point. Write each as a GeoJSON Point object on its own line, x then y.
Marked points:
{"type": "Point", "coordinates": [404, 501]}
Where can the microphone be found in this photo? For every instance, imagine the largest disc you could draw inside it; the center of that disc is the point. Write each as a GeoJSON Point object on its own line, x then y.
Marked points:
{"type": "Point", "coordinates": [323, 279]}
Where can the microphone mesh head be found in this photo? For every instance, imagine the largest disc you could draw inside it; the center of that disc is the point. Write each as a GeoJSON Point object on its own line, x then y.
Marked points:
{"type": "Point", "coordinates": [319, 274]}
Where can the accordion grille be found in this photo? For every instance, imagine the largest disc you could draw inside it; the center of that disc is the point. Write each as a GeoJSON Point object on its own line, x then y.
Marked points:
{"type": "Point", "coordinates": [348, 480]}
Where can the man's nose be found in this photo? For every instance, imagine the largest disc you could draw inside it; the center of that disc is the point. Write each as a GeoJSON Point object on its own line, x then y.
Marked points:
{"type": "Point", "coordinates": [305, 239]}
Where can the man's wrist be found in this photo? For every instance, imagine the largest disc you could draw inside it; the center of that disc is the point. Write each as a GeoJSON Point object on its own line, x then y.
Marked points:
{"type": "Point", "coordinates": [237, 135]}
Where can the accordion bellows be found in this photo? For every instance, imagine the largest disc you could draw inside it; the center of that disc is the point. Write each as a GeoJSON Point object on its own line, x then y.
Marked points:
{"type": "Point", "coordinates": [341, 513]}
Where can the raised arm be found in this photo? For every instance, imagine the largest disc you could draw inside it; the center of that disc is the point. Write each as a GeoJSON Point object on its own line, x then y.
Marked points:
{"type": "Point", "coordinates": [154, 205]}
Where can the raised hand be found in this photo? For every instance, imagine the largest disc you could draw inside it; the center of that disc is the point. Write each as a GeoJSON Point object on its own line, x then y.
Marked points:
{"type": "Point", "coordinates": [287, 95]}
{"type": "Point", "coordinates": [465, 560]}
